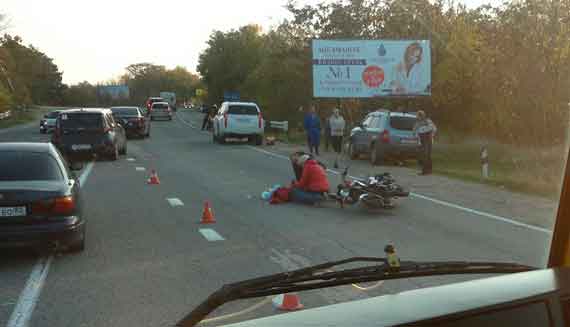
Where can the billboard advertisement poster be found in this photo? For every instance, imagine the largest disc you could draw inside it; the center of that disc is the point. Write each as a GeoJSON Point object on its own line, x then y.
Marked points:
{"type": "Point", "coordinates": [371, 68]}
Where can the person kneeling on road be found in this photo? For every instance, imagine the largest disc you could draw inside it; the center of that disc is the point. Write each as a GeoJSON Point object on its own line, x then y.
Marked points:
{"type": "Point", "coordinates": [313, 184]}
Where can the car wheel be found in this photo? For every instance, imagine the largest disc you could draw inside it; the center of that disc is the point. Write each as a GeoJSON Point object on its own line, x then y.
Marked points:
{"type": "Point", "coordinates": [78, 246]}
{"type": "Point", "coordinates": [351, 152]}
{"type": "Point", "coordinates": [376, 155]}
{"type": "Point", "coordinates": [258, 139]}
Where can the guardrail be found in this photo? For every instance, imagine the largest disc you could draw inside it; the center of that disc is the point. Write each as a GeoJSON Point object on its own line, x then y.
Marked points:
{"type": "Point", "coordinates": [282, 125]}
{"type": "Point", "coordinates": [6, 114]}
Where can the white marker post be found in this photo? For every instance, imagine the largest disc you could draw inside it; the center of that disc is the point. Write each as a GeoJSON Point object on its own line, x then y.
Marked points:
{"type": "Point", "coordinates": [485, 162]}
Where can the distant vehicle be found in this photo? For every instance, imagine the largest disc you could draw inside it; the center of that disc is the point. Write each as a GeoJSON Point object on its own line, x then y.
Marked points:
{"type": "Point", "coordinates": [133, 120]}
{"type": "Point", "coordinates": [384, 134]}
{"type": "Point", "coordinates": [152, 100]}
{"type": "Point", "coordinates": [89, 131]}
{"type": "Point", "coordinates": [40, 205]}
{"type": "Point", "coordinates": [47, 124]}
{"type": "Point", "coordinates": [239, 119]}
{"type": "Point", "coordinates": [169, 97]}
{"type": "Point", "coordinates": [160, 110]}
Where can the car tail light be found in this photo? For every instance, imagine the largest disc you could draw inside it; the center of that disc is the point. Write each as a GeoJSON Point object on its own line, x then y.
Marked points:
{"type": "Point", "coordinates": [226, 120]}
{"type": "Point", "coordinates": [385, 136]}
{"type": "Point", "coordinates": [56, 206]}
{"type": "Point", "coordinates": [259, 120]}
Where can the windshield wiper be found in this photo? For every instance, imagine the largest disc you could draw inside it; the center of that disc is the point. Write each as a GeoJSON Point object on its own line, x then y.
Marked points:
{"type": "Point", "coordinates": [322, 276]}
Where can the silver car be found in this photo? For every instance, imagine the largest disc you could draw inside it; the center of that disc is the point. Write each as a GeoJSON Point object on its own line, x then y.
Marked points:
{"type": "Point", "coordinates": [47, 124]}
{"type": "Point", "coordinates": [160, 110]}
{"type": "Point", "coordinates": [384, 134]}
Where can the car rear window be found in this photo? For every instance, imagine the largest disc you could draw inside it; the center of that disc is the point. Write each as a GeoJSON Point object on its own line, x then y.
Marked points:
{"type": "Point", "coordinates": [242, 110]}
{"type": "Point", "coordinates": [156, 100]}
{"type": "Point", "coordinates": [160, 106]}
{"type": "Point", "coordinates": [125, 111]}
{"type": "Point", "coordinates": [402, 123]}
{"type": "Point", "coordinates": [81, 120]}
{"type": "Point", "coordinates": [52, 115]}
{"type": "Point", "coordinates": [28, 166]}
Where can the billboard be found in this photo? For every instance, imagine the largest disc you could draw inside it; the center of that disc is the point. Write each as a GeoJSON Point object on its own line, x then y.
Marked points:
{"type": "Point", "coordinates": [115, 92]}
{"type": "Point", "coordinates": [371, 68]}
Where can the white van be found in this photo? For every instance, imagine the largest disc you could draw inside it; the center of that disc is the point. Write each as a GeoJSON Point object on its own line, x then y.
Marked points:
{"type": "Point", "coordinates": [239, 120]}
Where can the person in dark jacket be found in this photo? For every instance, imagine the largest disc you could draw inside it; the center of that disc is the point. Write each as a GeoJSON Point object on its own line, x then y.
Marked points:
{"type": "Point", "coordinates": [208, 116]}
{"type": "Point", "coordinates": [312, 125]}
{"type": "Point", "coordinates": [426, 130]}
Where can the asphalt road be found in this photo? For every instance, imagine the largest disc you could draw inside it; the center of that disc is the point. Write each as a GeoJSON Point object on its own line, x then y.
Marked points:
{"type": "Point", "coordinates": [147, 263]}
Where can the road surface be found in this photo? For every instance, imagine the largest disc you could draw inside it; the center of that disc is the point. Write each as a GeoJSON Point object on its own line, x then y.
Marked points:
{"type": "Point", "coordinates": [148, 261]}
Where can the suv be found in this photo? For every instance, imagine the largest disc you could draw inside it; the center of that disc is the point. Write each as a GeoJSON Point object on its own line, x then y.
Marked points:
{"type": "Point", "coordinates": [160, 110]}
{"type": "Point", "coordinates": [384, 134]}
{"type": "Point", "coordinates": [89, 131]}
{"type": "Point", "coordinates": [238, 119]}
{"type": "Point", "coordinates": [47, 124]}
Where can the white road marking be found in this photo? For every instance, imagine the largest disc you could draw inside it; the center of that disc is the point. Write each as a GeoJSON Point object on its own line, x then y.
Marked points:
{"type": "Point", "coordinates": [211, 235]}
{"type": "Point", "coordinates": [131, 159]}
{"type": "Point", "coordinates": [29, 297]}
{"type": "Point", "coordinates": [175, 202]}
{"type": "Point", "coordinates": [440, 202]}
{"type": "Point", "coordinates": [24, 309]}
{"type": "Point", "coordinates": [140, 168]}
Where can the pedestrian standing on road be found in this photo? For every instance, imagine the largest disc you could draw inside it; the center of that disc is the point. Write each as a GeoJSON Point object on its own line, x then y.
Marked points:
{"type": "Point", "coordinates": [426, 130]}
{"type": "Point", "coordinates": [208, 116]}
{"type": "Point", "coordinates": [312, 125]}
{"type": "Point", "coordinates": [337, 125]}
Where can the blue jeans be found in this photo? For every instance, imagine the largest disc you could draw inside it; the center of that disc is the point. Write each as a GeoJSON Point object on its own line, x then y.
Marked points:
{"type": "Point", "coordinates": [305, 197]}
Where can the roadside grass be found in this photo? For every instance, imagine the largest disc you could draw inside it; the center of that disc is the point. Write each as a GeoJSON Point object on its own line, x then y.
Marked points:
{"type": "Point", "coordinates": [535, 171]}
{"type": "Point", "coordinates": [25, 116]}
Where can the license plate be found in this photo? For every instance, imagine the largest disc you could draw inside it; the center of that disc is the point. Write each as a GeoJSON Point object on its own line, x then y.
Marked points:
{"type": "Point", "coordinates": [77, 147]}
{"type": "Point", "coordinates": [12, 211]}
{"type": "Point", "coordinates": [409, 141]}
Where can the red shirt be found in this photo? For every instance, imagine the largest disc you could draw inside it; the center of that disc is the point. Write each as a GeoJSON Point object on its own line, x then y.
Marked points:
{"type": "Point", "coordinates": [314, 178]}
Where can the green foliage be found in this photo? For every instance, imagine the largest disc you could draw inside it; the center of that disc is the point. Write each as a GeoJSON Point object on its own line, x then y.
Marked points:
{"type": "Point", "coordinates": [501, 72]}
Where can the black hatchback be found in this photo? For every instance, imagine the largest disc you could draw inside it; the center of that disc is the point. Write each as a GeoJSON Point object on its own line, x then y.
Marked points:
{"type": "Point", "coordinates": [89, 131]}
{"type": "Point", "coordinates": [40, 201]}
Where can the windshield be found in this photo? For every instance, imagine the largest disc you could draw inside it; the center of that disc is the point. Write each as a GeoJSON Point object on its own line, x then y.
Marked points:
{"type": "Point", "coordinates": [125, 111]}
{"type": "Point", "coordinates": [28, 166]}
{"type": "Point", "coordinates": [52, 115]}
{"type": "Point", "coordinates": [276, 135]}
{"type": "Point", "coordinates": [81, 120]}
{"type": "Point", "coordinates": [242, 110]}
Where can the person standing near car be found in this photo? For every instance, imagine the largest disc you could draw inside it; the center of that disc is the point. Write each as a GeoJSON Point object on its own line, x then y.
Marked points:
{"type": "Point", "coordinates": [208, 116]}
{"type": "Point", "coordinates": [337, 125]}
{"type": "Point", "coordinates": [312, 125]}
{"type": "Point", "coordinates": [426, 130]}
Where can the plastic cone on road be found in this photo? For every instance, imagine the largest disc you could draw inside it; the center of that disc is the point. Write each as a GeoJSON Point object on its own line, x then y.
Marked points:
{"type": "Point", "coordinates": [287, 302]}
{"type": "Point", "coordinates": [207, 215]}
{"type": "Point", "coordinates": [153, 180]}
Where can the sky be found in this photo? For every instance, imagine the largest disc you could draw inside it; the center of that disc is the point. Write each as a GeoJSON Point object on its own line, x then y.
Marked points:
{"type": "Point", "coordinates": [95, 40]}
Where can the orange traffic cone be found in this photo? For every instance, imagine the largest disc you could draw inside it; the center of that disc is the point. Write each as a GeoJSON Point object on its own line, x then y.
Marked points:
{"type": "Point", "coordinates": [207, 215]}
{"type": "Point", "coordinates": [153, 180]}
{"type": "Point", "coordinates": [287, 302]}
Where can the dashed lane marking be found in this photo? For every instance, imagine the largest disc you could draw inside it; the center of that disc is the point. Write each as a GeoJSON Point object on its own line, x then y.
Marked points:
{"type": "Point", "coordinates": [175, 202]}
{"type": "Point", "coordinates": [211, 235]}
{"type": "Point", "coordinates": [140, 168]}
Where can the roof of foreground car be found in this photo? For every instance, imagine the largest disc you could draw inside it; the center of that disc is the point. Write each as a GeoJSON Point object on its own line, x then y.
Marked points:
{"type": "Point", "coordinates": [241, 103]}
{"type": "Point", "coordinates": [90, 110]}
{"type": "Point", "coordinates": [393, 113]}
{"type": "Point", "coordinates": [26, 146]}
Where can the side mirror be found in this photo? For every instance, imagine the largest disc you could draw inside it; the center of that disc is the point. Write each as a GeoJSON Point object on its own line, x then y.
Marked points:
{"type": "Point", "coordinates": [76, 165]}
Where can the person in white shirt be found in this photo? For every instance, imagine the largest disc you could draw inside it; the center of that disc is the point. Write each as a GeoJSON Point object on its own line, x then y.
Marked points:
{"type": "Point", "coordinates": [337, 125]}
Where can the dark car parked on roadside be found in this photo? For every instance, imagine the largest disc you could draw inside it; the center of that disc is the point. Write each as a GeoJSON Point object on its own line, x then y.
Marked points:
{"type": "Point", "coordinates": [40, 199]}
{"type": "Point", "coordinates": [384, 134]}
{"type": "Point", "coordinates": [133, 120]}
{"type": "Point", "coordinates": [89, 131]}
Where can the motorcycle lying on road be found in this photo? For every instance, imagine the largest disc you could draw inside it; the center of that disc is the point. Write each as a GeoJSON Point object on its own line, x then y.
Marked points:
{"type": "Point", "coordinates": [377, 191]}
